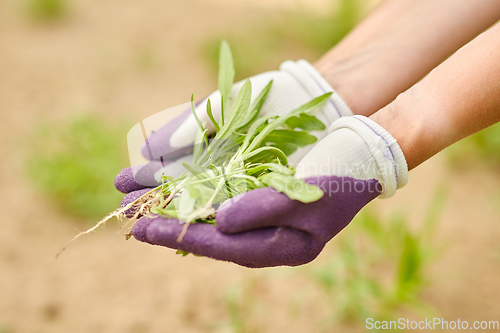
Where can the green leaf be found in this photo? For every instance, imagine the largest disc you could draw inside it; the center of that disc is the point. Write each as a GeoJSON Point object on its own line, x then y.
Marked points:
{"type": "Point", "coordinates": [306, 122]}
{"type": "Point", "coordinates": [297, 138]}
{"type": "Point", "coordinates": [254, 129]}
{"type": "Point", "coordinates": [185, 205]}
{"type": "Point", "coordinates": [255, 181]}
{"type": "Point", "coordinates": [259, 138]}
{"type": "Point", "coordinates": [240, 106]}
{"type": "Point", "coordinates": [181, 252]}
{"type": "Point", "coordinates": [287, 148]}
{"type": "Point", "coordinates": [194, 168]}
{"type": "Point", "coordinates": [169, 211]}
{"type": "Point", "coordinates": [264, 157]}
{"type": "Point", "coordinates": [281, 156]}
{"type": "Point", "coordinates": [200, 125]}
{"type": "Point", "coordinates": [204, 177]}
{"type": "Point", "coordinates": [211, 116]}
{"type": "Point", "coordinates": [238, 111]}
{"type": "Point", "coordinates": [200, 192]}
{"type": "Point", "coordinates": [409, 263]}
{"type": "Point", "coordinates": [198, 144]}
{"type": "Point", "coordinates": [307, 107]}
{"type": "Point", "coordinates": [295, 189]}
{"type": "Point", "coordinates": [242, 137]}
{"type": "Point", "coordinates": [226, 75]}
{"type": "Point", "coordinates": [311, 105]}
{"type": "Point", "coordinates": [256, 105]}
{"type": "Point", "coordinates": [270, 166]}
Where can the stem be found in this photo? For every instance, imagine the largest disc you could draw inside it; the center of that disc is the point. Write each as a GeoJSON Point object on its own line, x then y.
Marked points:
{"type": "Point", "coordinates": [217, 189]}
{"type": "Point", "coordinates": [201, 181]}
{"type": "Point", "coordinates": [221, 110]}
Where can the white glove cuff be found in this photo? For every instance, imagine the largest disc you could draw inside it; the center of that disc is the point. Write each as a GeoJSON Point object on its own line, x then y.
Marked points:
{"type": "Point", "coordinates": [315, 85]}
{"type": "Point", "coordinates": [392, 168]}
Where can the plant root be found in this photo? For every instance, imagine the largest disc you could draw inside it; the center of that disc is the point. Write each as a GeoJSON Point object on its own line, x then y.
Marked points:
{"type": "Point", "coordinates": [145, 203]}
{"type": "Point", "coordinates": [183, 232]}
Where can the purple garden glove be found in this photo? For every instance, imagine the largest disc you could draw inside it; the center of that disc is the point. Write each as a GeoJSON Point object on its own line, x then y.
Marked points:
{"type": "Point", "coordinates": [354, 164]}
{"type": "Point", "coordinates": [265, 228]}
{"type": "Point", "coordinates": [294, 84]}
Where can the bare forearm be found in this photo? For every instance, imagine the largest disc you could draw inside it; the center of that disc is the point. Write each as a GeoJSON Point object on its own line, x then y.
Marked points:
{"type": "Point", "coordinates": [457, 99]}
{"type": "Point", "coordinates": [400, 43]}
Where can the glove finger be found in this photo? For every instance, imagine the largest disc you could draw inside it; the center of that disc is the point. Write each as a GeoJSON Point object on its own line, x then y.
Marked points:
{"type": "Point", "coordinates": [265, 207]}
{"type": "Point", "coordinates": [158, 143]}
{"type": "Point", "coordinates": [138, 177]}
{"type": "Point", "coordinates": [257, 248]}
{"type": "Point", "coordinates": [131, 197]}
{"type": "Point", "coordinates": [176, 138]}
{"type": "Point", "coordinates": [260, 208]}
{"type": "Point", "coordinates": [173, 168]}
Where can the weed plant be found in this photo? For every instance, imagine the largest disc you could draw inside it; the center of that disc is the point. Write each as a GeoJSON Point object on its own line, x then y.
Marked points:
{"type": "Point", "coordinates": [74, 163]}
{"type": "Point", "coordinates": [46, 10]}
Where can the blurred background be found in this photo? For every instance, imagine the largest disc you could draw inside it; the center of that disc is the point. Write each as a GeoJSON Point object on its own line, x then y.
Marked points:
{"type": "Point", "coordinates": [76, 75]}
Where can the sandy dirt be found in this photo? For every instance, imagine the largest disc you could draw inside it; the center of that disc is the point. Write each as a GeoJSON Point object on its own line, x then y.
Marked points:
{"type": "Point", "coordinates": [93, 62]}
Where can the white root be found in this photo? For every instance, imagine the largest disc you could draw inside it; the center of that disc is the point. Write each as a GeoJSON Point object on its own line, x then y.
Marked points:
{"type": "Point", "coordinates": [147, 203]}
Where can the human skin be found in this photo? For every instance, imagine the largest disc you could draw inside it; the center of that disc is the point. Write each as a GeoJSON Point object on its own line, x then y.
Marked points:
{"type": "Point", "coordinates": [392, 49]}
{"type": "Point", "coordinates": [458, 98]}
{"type": "Point", "coordinates": [398, 44]}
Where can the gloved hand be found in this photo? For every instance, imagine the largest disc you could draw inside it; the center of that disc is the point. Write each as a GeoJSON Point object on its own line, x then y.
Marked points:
{"type": "Point", "coordinates": [294, 84]}
{"type": "Point", "coordinates": [354, 164]}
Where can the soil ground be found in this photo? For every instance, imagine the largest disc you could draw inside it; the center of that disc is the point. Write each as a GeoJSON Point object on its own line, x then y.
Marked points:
{"type": "Point", "coordinates": [91, 61]}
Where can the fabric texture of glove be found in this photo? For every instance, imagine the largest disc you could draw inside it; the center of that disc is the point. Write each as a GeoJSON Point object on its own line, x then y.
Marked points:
{"type": "Point", "coordinates": [355, 163]}
{"type": "Point", "coordinates": [294, 84]}
{"type": "Point", "coordinates": [360, 148]}
{"type": "Point", "coordinates": [264, 228]}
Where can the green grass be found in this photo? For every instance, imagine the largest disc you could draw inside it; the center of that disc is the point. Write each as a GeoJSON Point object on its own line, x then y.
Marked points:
{"type": "Point", "coordinates": [236, 309]}
{"type": "Point", "coordinates": [265, 44]}
{"type": "Point", "coordinates": [245, 306]}
{"type": "Point", "coordinates": [379, 269]}
{"type": "Point", "coordinates": [74, 164]}
{"type": "Point", "coordinates": [483, 146]}
{"type": "Point", "coordinates": [375, 268]}
{"type": "Point", "coordinates": [146, 58]}
{"type": "Point", "coordinates": [4, 328]}
{"type": "Point", "coordinates": [47, 10]}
